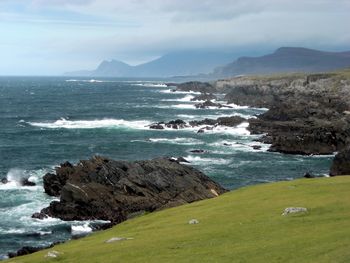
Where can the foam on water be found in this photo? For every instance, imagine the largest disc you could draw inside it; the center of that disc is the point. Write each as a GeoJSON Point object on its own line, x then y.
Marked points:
{"type": "Point", "coordinates": [181, 141]}
{"type": "Point", "coordinates": [170, 91]}
{"type": "Point", "coordinates": [187, 98]}
{"type": "Point", "coordinates": [151, 85]}
{"type": "Point", "coordinates": [81, 229]}
{"type": "Point", "coordinates": [92, 124]}
{"type": "Point", "coordinates": [197, 160]}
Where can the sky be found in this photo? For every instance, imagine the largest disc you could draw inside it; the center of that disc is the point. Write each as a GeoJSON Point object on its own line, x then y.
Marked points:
{"type": "Point", "coordinates": [49, 37]}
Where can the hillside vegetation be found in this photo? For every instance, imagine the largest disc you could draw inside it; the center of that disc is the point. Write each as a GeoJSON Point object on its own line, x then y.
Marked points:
{"type": "Point", "coordinates": [245, 225]}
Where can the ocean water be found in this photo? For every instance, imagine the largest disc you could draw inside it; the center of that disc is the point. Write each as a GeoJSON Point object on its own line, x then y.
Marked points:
{"type": "Point", "coordinates": [46, 121]}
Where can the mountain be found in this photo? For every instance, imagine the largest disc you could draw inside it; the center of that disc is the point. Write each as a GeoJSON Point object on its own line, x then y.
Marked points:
{"type": "Point", "coordinates": [184, 63]}
{"type": "Point", "coordinates": [286, 59]}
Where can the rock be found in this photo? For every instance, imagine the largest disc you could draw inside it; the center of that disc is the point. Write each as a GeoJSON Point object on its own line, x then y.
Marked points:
{"type": "Point", "coordinates": [256, 147]}
{"type": "Point", "coordinates": [308, 175]}
{"type": "Point", "coordinates": [53, 254]}
{"type": "Point", "coordinates": [206, 128]}
{"type": "Point", "coordinates": [176, 124]}
{"type": "Point", "coordinates": [156, 126]}
{"type": "Point", "coordinates": [26, 182]}
{"type": "Point", "coordinates": [105, 189]}
{"type": "Point", "coordinates": [293, 210]}
{"type": "Point", "coordinates": [202, 87]}
{"type": "Point", "coordinates": [207, 104]}
{"type": "Point", "coordinates": [193, 222]}
{"type": "Point", "coordinates": [231, 121]}
{"type": "Point", "coordinates": [341, 163]}
{"type": "Point", "coordinates": [53, 184]}
{"type": "Point", "coordinates": [4, 180]}
{"type": "Point", "coordinates": [204, 97]}
{"type": "Point", "coordinates": [182, 160]}
{"type": "Point", "coordinates": [117, 239]}
{"type": "Point", "coordinates": [227, 144]}
{"type": "Point", "coordinates": [24, 251]}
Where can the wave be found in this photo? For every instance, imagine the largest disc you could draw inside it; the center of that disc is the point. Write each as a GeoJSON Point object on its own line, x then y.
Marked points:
{"type": "Point", "coordinates": [187, 98]}
{"type": "Point", "coordinates": [181, 141]}
{"type": "Point", "coordinates": [15, 177]}
{"type": "Point", "coordinates": [91, 124]}
{"type": "Point", "coordinates": [89, 80]}
{"type": "Point", "coordinates": [171, 91]}
{"type": "Point", "coordinates": [201, 160]}
{"type": "Point", "coordinates": [81, 229]}
{"type": "Point", "coordinates": [151, 85]}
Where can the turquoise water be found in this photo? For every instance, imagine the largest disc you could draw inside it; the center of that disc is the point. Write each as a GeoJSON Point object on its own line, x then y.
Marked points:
{"type": "Point", "coordinates": [46, 121]}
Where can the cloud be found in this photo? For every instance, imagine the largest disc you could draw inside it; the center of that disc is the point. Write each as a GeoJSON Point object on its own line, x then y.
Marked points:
{"type": "Point", "coordinates": [88, 31]}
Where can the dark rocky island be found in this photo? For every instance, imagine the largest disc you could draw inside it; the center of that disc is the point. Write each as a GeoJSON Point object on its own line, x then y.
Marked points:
{"type": "Point", "coordinates": [105, 189]}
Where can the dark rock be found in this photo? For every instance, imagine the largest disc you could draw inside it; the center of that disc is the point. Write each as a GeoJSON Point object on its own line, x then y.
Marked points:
{"type": "Point", "coordinates": [105, 189]}
{"type": "Point", "coordinates": [341, 163]}
{"type": "Point", "coordinates": [26, 182]}
{"type": "Point", "coordinates": [256, 147]}
{"type": "Point", "coordinates": [224, 121]}
{"type": "Point", "coordinates": [175, 124]}
{"type": "Point", "coordinates": [157, 126]}
{"type": "Point", "coordinates": [25, 251]}
{"type": "Point", "coordinates": [182, 160]}
{"type": "Point", "coordinates": [4, 180]}
{"type": "Point", "coordinates": [208, 103]}
{"type": "Point", "coordinates": [206, 128]}
{"type": "Point", "coordinates": [227, 144]}
{"type": "Point", "coordinates": [202, 87]}
{"type": "Point", "coordinates": [205, 97]}
{"type": "Point", "coordinates": [308, 175]}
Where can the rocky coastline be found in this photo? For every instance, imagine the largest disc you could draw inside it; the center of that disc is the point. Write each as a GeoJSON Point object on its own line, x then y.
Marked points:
{"type": "Point", "coordinates": [307, 114]}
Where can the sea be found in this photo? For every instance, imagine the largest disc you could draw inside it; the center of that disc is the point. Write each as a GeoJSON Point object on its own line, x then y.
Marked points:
{"type": "Point", "coordinates": [45, 121]}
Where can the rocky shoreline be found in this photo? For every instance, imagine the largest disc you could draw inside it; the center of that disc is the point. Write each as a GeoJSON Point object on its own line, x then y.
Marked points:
{"type": "Point", "coordinates": [307, 114]}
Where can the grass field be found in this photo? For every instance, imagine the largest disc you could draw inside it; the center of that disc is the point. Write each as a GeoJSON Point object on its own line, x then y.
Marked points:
{"type": "Point", "coordinates": [245, 225]}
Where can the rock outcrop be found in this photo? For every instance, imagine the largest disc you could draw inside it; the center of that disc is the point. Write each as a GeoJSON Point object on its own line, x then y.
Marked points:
{"type": "Point", "coordinates": [105, 189]}
{"type": "Point", "coordinates": [341, 163]}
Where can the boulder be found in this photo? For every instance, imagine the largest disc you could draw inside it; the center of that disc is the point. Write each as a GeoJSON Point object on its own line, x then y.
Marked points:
{"type": "Point", "coordinates": [204, 97]}
{"type": "Point", "coordinates": [341, 163]}
{"type": "Point", "coordinates": [101, 188]}
{"type": "Point", "coordinates": [207, 104]}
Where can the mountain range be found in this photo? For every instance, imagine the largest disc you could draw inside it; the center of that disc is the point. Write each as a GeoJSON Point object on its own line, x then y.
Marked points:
{"type": "Point", "coordinates": [286, 59]}
{"type": "Point", "coordinates": [220, 64]}
{"type": "Point", "coordinates": [185, 63]}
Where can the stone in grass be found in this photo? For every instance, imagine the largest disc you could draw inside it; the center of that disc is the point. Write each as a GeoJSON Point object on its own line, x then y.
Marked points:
{"type": "Point", "coordinates": [53, 254]}
{"type": "Point", "coordinates": [293, 210]}
{"type": "Point", "coordinates": [193, 222]}
{"type": "Point", "coordinates": [117, 239]}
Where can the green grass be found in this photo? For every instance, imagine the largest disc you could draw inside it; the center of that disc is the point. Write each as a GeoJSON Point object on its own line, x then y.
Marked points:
{"type": "Point", "coordinates": [245, 225]}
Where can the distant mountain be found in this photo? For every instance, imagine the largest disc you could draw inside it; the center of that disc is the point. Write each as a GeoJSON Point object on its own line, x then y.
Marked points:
{"type": "Point", "coordinates": [184, 63]}
{"type": "Point", "coordinates": [286, 59]}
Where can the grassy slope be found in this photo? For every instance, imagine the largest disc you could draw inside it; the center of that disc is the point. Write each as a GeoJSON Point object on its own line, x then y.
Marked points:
{"type": "Point", "coordinates": [242, 226]}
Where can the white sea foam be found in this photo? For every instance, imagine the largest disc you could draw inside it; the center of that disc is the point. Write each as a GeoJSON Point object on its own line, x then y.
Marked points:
{"type": "Point", "coordinates": [81, 229]}
{"type": "Point", "coordinates": [201, 160]}
{"type": "Point", "coordinates": [88, 80]}
{"type": "Point", "coordinates": [171, 91]}
{"type": "Point", "coordinates": [92, 124]}
{"type": "Point", "coordinates": [151, 85]}
{"type": "Point", "coordinates": [181, 141]}
{"type": "Point", "coordinates": [187, 98]}
{"type": "Point", "coordinates": [14, 180]}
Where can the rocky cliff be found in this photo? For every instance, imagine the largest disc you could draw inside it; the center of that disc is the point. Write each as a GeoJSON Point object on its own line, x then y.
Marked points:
{"type": "Point", "coordinates": [105, 189]}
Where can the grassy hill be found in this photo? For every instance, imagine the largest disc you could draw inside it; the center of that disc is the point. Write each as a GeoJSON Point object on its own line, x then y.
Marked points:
{"type": "Point", "coordinates": [245, 225]}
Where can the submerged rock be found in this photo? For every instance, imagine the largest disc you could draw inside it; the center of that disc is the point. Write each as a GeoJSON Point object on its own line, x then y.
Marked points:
{"type": "Point", "coordinates": [105, 189]}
